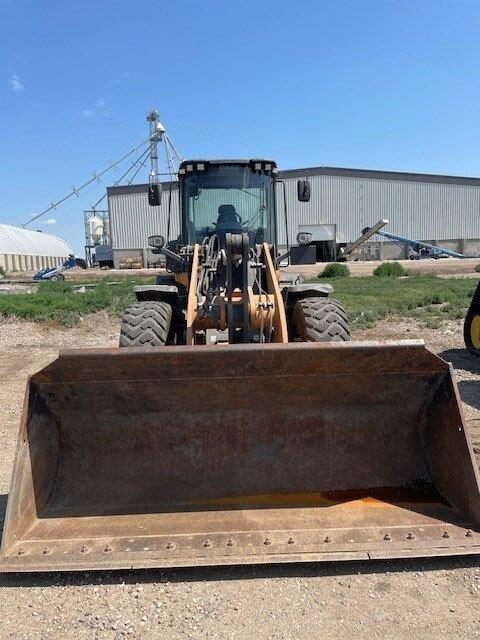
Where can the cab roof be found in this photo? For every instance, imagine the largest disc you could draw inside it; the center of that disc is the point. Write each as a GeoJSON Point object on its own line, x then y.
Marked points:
{"type": "Point", "coordinates": [242, 161]}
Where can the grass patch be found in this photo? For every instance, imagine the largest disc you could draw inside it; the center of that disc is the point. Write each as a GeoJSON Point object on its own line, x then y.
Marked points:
{"type": "Point", "coordinates": [428, 299]}
{"type": "Point", "coordinates": [57, 302]}
{"type": "Point", "coordinates": [335, 270]}
{"type": "Point", "coordinates": [390, 270]}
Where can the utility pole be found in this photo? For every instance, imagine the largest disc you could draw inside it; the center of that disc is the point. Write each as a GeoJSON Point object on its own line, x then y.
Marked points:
{"type": "Point", "coordinates": [156, 134]}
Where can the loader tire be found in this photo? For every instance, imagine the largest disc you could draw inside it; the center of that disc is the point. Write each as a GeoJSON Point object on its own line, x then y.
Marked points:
{"type": "Point", "coordinates": [146, 324]}
{"type": "Point", "coordinates": [319, 320]}
{"type": "Point", "coordinates": [471, 331]}
{"type": "Point", "coordinates": [471, 326]}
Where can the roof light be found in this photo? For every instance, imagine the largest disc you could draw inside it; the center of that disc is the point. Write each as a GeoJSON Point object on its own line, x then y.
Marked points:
{"type": "Point", "coordinates": [181, 172]}
{"type": "Point", "coordinates": [274, 170]}
{"type": "Point", "coordinates": [268, 167]}
{"type": "Point", "coordinates": [189, 167]}
{"type": "Point", "coordinates": [258, 166]}
{"type": "Point", "coordinates": [200, 166]}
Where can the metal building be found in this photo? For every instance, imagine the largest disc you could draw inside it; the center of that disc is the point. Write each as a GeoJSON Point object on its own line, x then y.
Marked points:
{"type": "Point", "coordinates": [443, 210]}
{"type": "Point", "coordinates": [27, 250]}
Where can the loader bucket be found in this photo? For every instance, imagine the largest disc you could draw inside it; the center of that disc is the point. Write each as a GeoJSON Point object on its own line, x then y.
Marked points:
{"type": "Point", "coordinates": [185, 456]}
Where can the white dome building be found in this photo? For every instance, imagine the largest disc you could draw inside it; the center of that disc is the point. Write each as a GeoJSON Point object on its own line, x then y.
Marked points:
{"type": "Point", "coordinates": [27, 250]}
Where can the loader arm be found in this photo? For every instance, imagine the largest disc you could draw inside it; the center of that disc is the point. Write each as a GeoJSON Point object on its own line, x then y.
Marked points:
{"type": "Point", "coordinates": [256, 305]}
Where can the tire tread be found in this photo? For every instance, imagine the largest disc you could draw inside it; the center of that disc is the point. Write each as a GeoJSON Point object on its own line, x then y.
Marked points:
{"type": "Point", "coordinates": [146, 324]}
{"type": "Point", "coordinates": [320, 320]}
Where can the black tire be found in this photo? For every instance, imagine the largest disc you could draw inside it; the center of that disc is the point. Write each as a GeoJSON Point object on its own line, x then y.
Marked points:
{"type": "Point", "coordinates": [58, 277]}
{"type": "Point", "coordinates": [146, 324]}
{"type": "Point", "coordinates": [319, 320]}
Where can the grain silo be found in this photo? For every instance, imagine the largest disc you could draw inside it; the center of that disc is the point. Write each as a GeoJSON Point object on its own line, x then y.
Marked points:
{"type": "Point", "coordinates": [27, 250]}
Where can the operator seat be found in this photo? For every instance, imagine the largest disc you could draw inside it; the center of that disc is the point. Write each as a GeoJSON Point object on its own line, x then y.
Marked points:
{"type": "Point", "coordinates": [228, 218]}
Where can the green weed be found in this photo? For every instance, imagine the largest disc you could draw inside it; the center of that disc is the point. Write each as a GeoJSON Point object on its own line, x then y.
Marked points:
{"type": "Point", "coordinates": [335, 270]}
{"type": "Point", "coordinates": [428, 299]}
{"type": "Point", "coordinates": [58, 302]}
{"type": "Point", "coordinates": [390, 269]}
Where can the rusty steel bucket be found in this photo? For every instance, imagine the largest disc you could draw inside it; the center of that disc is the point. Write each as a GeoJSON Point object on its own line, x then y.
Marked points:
{"type": "Point", "coordinates": [187, 456]}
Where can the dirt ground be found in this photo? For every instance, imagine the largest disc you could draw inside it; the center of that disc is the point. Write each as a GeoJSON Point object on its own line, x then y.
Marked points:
{"type": "Point", "coordinates": [389, 600]}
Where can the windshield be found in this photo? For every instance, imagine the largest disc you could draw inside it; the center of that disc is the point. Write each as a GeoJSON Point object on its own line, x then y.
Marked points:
{"type": "Point", "coordinates": [228, 199]}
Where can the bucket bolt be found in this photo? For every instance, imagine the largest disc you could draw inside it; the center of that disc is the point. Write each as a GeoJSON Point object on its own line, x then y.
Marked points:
{"type": "Point", "coordinates": [387, 537]}
{"type": "Point", "coordinates": [410, 536]}
{"type": "Point", "coordinates": [170, 545]}
{"type": "Point", "coordinates": [290, 541]}
{"type": "Point", "coordinates": [469, 533]}
{"type": "Point", "coordinates": [207, 543]}
{"type": "Point", "coordinates": [267, 542]}
{"type": "Point", "coordinates": [446, 534]}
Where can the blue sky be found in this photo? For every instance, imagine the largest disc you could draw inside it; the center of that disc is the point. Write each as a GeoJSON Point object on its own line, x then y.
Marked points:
{"type": "Point", "coordinates": [379, 84]}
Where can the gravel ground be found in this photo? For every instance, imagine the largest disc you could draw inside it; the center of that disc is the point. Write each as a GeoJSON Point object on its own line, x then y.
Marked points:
{"type": "Point", "coordinates": [397, 600]}
{"type": "Point", "coordinates": [445, 267]}
{"type": "Point", "coordinates": [442, 267]}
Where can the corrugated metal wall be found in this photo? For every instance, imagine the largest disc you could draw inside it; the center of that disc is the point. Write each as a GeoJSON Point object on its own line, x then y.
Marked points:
{"type": "Point", "coordinates": [420, 210]}
{"type": "Point", "coordinates": [12, 262]}
{"type": "Point", "coordinates": [132, 220]}
{"type": "Point", "coordinates": [414, 209]}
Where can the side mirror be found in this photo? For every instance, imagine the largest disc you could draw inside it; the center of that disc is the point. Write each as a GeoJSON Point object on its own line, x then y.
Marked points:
{"type": "Point", "coordinates": [154, 194]}
{"type": "Point", "coordinates": [157, 242]}
{"type": "Point", "coordinates": [303, 190]}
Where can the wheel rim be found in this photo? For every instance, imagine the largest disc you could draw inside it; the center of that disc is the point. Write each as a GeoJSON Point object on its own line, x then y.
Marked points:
{"type": "Point", "coordinates": [475, 332]}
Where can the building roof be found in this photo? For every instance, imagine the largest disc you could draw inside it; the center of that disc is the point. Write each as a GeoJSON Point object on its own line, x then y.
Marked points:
{"type": "Point", "coordinates": [19, 241]}
{"type": "Point", "coordinates": [372, 174]}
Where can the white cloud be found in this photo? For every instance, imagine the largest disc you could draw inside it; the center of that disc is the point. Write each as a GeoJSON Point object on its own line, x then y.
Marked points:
{"type": "Point", "coordinates": [51, 221]}
{"type": "Point", "coordinates": [100, 108]}
{"type": "Point", "coordinates": [16, 83]}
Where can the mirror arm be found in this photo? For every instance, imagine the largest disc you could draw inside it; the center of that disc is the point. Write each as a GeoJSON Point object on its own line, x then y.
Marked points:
{"type": "Point", "coordinates": [282, 182]}
{"type": "Point", "coordinates": [169, 253]}
{"type": "Point", "coordinates": [282, 257]}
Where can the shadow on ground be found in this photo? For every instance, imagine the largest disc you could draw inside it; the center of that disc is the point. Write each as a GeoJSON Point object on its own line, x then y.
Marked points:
{"type": "Point", "coordinates": [3, 507]}
{"type": "Point", "coordinates": [470, 392]}
{"type": "Point", "coordinates": [461, 359]}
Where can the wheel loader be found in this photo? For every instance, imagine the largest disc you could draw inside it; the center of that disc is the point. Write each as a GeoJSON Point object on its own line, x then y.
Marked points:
{"type": "Point", "coordinates": [236, 423]}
